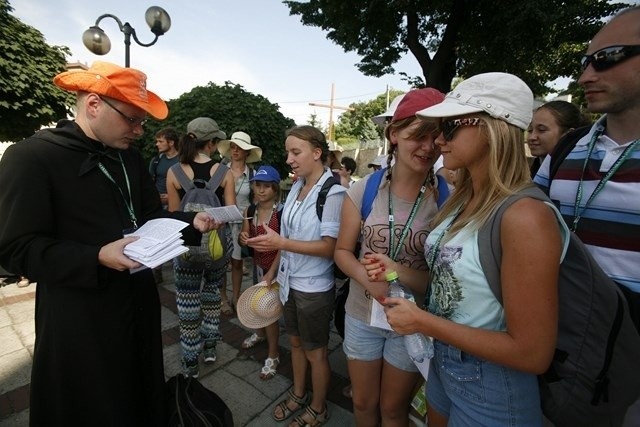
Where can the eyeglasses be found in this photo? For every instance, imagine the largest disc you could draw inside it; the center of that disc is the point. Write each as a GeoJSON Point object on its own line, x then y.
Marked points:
{"type": "Point", "coordinates": [608, 57]}
{"type": "Point", "coordinates": [449, 127]}
{"type": "Point", "coordinates": [133, 121]}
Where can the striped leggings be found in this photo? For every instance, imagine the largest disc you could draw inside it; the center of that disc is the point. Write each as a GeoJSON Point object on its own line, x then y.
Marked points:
{"type": "Point", "coordinates": [198, 308]}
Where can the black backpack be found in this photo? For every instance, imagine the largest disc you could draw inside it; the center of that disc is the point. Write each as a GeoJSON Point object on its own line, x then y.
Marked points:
{"type": "Point", "coordinates": [563, 148]}
{"type": "Point", "coordinates": [190, 404]}
{"type": "Point", "coordinates": [593, 377]}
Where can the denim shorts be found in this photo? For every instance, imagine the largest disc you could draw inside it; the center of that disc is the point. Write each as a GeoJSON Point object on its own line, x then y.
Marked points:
{"type": "Point", "coordinates": [367, 343]}
{"type": "Point", "coordinates": [472, 391]}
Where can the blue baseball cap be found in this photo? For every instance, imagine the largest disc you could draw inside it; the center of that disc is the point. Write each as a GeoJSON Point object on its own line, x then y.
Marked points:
{"type": "Point", "coordinates": [266, 174]}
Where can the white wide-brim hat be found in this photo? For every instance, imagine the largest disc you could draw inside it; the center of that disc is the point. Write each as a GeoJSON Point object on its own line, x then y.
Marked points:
{"type": "Point", "coordinates": [335, 149]}
{"type": "Point", "coordinates": [243, 141]}
{"type": "Point", "coordinates": [259, 306]}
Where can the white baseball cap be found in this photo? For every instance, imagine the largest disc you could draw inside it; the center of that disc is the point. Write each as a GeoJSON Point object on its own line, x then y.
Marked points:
{"type": "Point", "coordinates": [501, 95]}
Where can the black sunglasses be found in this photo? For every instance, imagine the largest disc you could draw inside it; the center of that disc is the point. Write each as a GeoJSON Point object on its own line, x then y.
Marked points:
{"type": "Point", "coordinates": [133, 121]}
{"type": "Point", "coordinates": [608, 57]}
{"type": "Point", "coordinates": [449, 127]}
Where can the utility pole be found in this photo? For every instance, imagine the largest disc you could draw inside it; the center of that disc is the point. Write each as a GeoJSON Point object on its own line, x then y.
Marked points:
{"type": "Point", "coordinates": [331, 107]}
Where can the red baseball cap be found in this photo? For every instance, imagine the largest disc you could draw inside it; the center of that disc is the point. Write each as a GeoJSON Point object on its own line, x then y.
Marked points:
{"type": "Point", "coordinates": [416, 100]}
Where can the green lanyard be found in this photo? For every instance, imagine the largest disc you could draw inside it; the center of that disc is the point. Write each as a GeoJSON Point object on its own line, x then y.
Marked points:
{"type": "Point", "coordinates": [578, 211]}
{"type": "Point", "coordinates": [393, 249]}
{"type": "Point", "coordinates": [129, 204]}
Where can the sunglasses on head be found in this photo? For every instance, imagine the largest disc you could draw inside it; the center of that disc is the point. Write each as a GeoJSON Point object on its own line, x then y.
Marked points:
{"type": "Point", "coordinates": [449, 127]}
{"type": "Point", "coordinates": [608, 57]}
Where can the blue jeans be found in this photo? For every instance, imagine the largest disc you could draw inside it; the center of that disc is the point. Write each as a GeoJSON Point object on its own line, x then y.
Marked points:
{"type": "Point", "coordinates": [473, 392]}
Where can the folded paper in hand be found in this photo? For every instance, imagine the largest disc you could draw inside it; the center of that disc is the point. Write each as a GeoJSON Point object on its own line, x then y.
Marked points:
{"type": "Point", "coordinates": [159, 241]}
{"type": "Point", "coordinates": [225, 214]}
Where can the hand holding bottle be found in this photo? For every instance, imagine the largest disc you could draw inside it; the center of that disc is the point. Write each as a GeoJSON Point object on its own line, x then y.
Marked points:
{"type": "Point", "coordinates": [419, 347]}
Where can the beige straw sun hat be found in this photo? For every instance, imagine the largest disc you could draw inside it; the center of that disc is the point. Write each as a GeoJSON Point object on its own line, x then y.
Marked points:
{"type": "Point", "coordinates": [259, 306]}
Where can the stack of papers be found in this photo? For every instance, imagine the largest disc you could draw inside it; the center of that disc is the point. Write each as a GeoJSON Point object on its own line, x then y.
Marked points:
{"type": "Point", "coordinates": [160, 241]}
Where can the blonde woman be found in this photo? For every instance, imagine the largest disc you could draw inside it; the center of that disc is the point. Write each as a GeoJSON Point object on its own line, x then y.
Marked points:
{"type": "Point", "coordinates": [487, 355]}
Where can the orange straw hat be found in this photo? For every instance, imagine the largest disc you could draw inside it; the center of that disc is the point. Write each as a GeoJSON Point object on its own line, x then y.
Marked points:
{"type": "Point", "coordinates": [259, 306]}
{"type": "Point", "coordinates": [124, 84]}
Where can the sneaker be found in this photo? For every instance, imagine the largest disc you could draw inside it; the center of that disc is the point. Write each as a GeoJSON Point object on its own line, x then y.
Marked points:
{"type": "Point", "coordinates": [191, 370]}
{"type": "Point", "coordinates": [210, 354]}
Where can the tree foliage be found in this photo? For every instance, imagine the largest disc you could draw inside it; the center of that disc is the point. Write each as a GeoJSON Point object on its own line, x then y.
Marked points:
{"type": "Point", "coordinates": [28, 97]}
{"type": "Point", "coordinates": [357, 123]}
{"type": "Point", "coordinates": [538, 40]}
{"type": "Point", "coordinates": [234, 109]}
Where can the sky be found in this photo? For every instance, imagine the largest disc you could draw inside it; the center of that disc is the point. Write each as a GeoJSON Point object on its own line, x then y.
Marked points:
{"type": "Point", "coordinates": [254, 43]}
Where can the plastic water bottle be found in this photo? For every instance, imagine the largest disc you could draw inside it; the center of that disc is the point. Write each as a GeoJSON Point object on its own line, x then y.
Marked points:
{"type": "Point", "coordinates": [419, 347]}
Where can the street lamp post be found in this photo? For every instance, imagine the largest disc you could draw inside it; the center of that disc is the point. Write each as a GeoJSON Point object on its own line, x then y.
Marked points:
{"type": "Point", "coordinates": [98, 42]}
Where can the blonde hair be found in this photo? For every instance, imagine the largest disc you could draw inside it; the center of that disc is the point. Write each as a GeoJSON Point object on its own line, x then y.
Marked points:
{"type": "Point", "coordinates": [508, 173]}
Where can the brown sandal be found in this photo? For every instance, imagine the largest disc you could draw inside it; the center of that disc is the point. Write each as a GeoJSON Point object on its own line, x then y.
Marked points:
{"type": "Point", "coordinates": [284, 407]}
{"type": "Point", "coordinates": [317, 418]}
{"type": "Point", "coordinates": [226, 308]}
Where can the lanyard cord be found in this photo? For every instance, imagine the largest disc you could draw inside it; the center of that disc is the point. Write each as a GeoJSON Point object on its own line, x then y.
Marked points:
{"type": "Point", "coordinates": [129, 204]}
{"type": "Point", "coordinates": [241, 184]}
{"type": "Point", "coordinates": [577, 211]}
{"type": "Point", "coordinates": [292, 213]}
{"type": "Point", "coordinates": [393, 249]}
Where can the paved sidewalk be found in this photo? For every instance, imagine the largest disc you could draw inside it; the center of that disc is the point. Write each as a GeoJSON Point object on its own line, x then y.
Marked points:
{"type": "Point", "coordinates": [234, 376]}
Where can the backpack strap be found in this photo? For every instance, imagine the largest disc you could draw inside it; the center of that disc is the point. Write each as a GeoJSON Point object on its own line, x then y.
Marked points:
{"type": "Point", "coordinates": [322, 195]}
{"type": "Point", "coordinates": [489, 246]}
{"type": "Point", "coordinates": [251, 175]}
{"type": "Point", "coordinates": [251, 210]}
{"type": "Point", "coordinates": [563, 148]}
{"type": "Point", "coordinates": [217, 177]}
{"type": "Point", "coordinates": [370, 192]}
{"type": "Point", "coordinates": [373, 183]}
{"type": "Point", "coordinates": [153, 167]}
{"type": "Point", "coordinates": [443, 191]}
{"type": "Point", "coordinates": [184, 181]}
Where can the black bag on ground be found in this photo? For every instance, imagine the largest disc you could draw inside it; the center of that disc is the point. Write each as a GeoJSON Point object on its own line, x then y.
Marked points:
{"type": "Point", "coordinates": [190, 404]}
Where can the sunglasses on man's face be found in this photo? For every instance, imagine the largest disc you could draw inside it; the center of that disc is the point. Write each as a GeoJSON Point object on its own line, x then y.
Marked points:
{"type": "Point", "coordinates": [449, 127]}
{"type": "Point", "coordinates": [608, 57]}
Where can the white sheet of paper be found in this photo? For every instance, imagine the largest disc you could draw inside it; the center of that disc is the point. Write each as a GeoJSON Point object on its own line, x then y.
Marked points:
{"type": "Point", "coordinates": [378, 318]}
{"type": "Point", "coordinates": [225, 214]}
{"type": "Point", "coordinates": [424, 368]}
